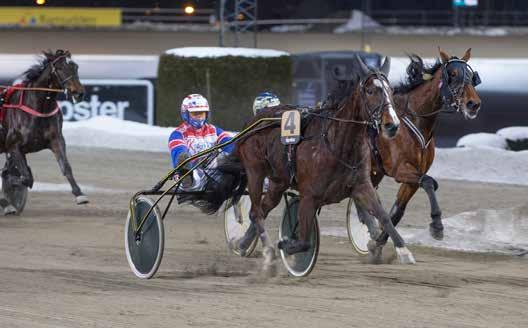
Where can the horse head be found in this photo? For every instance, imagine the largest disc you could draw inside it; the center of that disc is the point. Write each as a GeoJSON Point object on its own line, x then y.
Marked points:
{"type": "Point", "coordinates": [64, 73]}
{"type": "Point", "coordinates": [376, 97]}
{"type": "Point", "coordinates": [458, 85]}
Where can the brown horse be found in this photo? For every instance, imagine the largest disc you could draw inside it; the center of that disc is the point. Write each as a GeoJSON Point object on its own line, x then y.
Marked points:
{"type": "Point", "coordinates": [447, 86]}
{"type": "Point", "coordinates": [24, 131]}
{"type": "Point", "coordinates": [332, 163]}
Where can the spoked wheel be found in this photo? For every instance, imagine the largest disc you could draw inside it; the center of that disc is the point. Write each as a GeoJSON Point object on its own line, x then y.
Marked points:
{"type": "Point", "coordinates": [16, 194]}
{"type": "Point", "coordinates": [236, 223]}
{"type": "Point", "coordinates": [358, 233]}
{"type": "Point", "coordinates": [145, 251]}
{"type": "Point", "coordinates": [299, 264]}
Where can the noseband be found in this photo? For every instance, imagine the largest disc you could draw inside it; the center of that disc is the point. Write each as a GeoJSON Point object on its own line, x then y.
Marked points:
{"type": "Point", "coordinates": [451, 93]}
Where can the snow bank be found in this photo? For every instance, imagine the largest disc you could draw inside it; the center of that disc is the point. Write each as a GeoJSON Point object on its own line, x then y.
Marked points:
{"type": "Point", "coordinates": [499, 231]}
{"type": "Point", "coordinates": [483, 140]}
{"type": "Point", "coordinates": [514, 133]}
{"type": "Point", "coordinates": [472, 164]}
{"type": "Point", "coordinates": [482, 165]}
{"type": "Point", "coordinates": [507, 138]}
{"type": "Point", "coordinates": [108, 132]}
{"type": "Point", "coordinates": [357, 21]}
{"type": "Point", "coordinates": [203, 52]}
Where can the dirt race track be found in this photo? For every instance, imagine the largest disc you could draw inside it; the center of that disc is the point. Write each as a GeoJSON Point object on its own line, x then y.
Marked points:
{"type": "Point", "coordinates": [64, 265]}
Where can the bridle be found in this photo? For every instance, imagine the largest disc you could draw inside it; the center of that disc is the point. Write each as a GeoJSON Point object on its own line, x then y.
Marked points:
{"type": "Point", "coordinates": [374, 114]}
{"type": "Point", "coordinates": [55, 72]}
{"type": "Point", "coordinates": [451, 92]}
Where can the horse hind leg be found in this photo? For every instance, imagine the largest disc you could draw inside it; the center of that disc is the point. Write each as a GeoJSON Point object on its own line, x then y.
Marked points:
{"type": "Point", "coordinates": [58, 147]}
{"type": "Point", "coordinates": [436, 227]}
{"type": "Point", "coordinates": [256, 215]}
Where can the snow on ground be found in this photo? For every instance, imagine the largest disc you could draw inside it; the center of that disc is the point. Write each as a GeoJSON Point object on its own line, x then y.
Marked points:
{"type": "Point", "coordinates": [484, 165]}
{"type": "Point", "coordinates": [472, 164]}
{"type": "Point", "coordinates": [514, 133]}
{"type": "Point", "coordinates": [499, 231]}
{"type": "Point", "coordinates": [358, 20]}
{"type": "Point", "coordinates": [107, 132]}
{"type": "Point", "coordinates": [494, 140]}
{"type": "Point", "coordinates": [482, 140]}
{"type": "Point", "coordinates": [205, 52]}
{"type": "Point", "coordinates": [65, 187]}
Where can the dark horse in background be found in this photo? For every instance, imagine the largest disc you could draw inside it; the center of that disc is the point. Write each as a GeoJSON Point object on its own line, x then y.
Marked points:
{"type": "Point", "coordinates": [26, 131]}
{"type": "Point", "coordinates": [447, 86]}
{"type": "Point", "coordinates": [332, 161]}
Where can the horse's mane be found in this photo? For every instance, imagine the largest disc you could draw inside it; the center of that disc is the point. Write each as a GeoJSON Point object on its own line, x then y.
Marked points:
{"type": "Point", "coordinates": [415, 73]}
{"type": "Point", "coordinates": [339, 94]}
{"type": "Point", "coordinates": [35, 71]}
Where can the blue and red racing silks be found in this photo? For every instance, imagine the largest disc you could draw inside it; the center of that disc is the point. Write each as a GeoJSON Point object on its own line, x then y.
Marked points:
{"type": "Point", "coordinates": [187, 139]}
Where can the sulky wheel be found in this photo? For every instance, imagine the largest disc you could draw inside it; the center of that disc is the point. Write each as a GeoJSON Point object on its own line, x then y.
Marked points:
{"type": "Point", "coordinates": [358, 233]}
{"type": "Point", "coordinates": [236, 223]}
{"type": "Point", "coordinates": [144, 251]}
{"type": "Point", "coordinates": [299, 264]}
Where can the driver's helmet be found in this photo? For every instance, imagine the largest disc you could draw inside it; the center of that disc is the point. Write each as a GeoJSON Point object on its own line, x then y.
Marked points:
{"type": "Point", "coordinates": [263, 100]}
{"type": "Point", "coordinates": [194, 103]}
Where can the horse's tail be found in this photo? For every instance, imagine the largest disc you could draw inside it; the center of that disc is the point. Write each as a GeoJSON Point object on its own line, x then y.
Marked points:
{"type": "Point", "coordinates": [227, 181]}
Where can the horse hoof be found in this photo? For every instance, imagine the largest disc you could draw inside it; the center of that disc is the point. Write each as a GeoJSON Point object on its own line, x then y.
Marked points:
{"type": "Point", "coordinates": [405, 256]}
{"type": "Point", "coordinates": [10, 210]}
{"type": "Point", "coordinates": [82, 199]}
{"type": "Point", "coordinates": [374, 255]}
{"type": "Point", "coordinates": [436, 232]}
{"type": "Point", "coordinates": [270, 264]}
{"type": "Point", "coordinates": [234, 246]}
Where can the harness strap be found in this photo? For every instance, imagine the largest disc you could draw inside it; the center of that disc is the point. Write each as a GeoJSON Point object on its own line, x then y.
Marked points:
{"type": "Point", "coordinates": [419, 136]}
{"type": "Point", "coordinates": [23, 107]}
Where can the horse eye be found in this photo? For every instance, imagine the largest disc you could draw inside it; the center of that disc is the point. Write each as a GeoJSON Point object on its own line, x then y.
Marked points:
{"type": "Point", "coordinates": [370, 92]}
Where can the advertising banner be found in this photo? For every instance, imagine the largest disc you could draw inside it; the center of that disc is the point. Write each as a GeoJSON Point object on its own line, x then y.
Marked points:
{"type": "Point", "coordinates": [57, 16]}
{"type": "Point", "coordinates": [131, 100]}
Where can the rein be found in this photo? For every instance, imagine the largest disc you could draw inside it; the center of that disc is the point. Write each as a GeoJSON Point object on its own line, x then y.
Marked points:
{"type": "Point", "coordinates": [14, 87]}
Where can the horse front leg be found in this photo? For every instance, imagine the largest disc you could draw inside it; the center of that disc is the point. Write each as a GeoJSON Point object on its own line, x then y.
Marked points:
{"type": "Point", "coordinates": [365, 195]}
{"type": "Point", "coordinates": [436, 228]}
{"type": "Point", "coordinates": [16, 161]}
{"type": "Point", "coordinates": [405, 193]}
{"type": "Point", "coordinates": [58, 147]}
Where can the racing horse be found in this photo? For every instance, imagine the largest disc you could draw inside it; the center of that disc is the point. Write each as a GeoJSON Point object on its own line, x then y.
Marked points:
{"type": "Point", "coordinates": [332, 163]}
{"type": "Point", "coordinates": [32, 120]}
{"type": "Point", "coordinates": [447, 86]}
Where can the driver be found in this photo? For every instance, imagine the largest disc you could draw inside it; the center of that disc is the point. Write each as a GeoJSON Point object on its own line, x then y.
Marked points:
{"type": "Point", "coordinates": [194, 135]}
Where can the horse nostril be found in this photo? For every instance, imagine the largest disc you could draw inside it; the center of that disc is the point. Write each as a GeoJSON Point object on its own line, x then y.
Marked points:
{"type": "Point", "coordinates": [473, 105]}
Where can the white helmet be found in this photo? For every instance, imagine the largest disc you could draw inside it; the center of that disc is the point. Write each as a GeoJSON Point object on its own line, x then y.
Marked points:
{"type": "Point", "coordinates": [194, 103]}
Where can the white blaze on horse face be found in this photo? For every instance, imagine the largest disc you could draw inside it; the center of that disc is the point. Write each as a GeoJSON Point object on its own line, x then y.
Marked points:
{"type": "Point", "coordinates": [385, 87]}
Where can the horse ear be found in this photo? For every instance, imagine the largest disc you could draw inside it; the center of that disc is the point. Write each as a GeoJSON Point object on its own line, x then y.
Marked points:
{"type": "Point", "coordinates": [386, 66]}
{"type": "Point", "coordinates": [443, 56]}
{"type": "Point", "coordinates": [363, 68]}
{"type": "Point", "coordinates": [467, 55]}
{"type": "Point", "coordinates": [339, 73]}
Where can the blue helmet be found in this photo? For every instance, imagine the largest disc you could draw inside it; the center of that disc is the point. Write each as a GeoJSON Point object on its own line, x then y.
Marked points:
{"type": "Point", "coordinates": [264, 100]}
